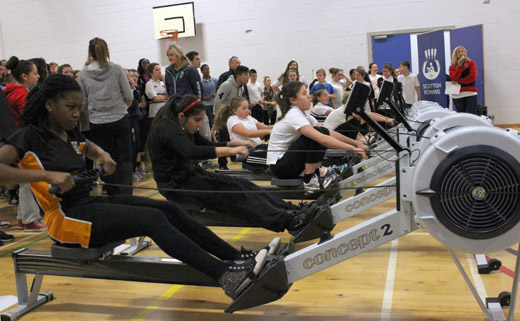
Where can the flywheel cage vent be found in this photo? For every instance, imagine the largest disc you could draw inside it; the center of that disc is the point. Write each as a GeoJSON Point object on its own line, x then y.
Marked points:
{"type": "Point", "coordinates": [477, 192]}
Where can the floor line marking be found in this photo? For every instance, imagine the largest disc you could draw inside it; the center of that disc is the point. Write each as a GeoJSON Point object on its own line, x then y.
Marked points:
{"type": "Point", "coordinates": [477, 280]}
{"type": "Point", "coordinates": [25, 245]}
{"type": "Point", "coordinates": [143, 315]}
{"type": "Point", "coordinates": [386, 309]}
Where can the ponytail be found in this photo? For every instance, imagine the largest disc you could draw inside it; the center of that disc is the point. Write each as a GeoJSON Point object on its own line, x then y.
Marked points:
{"type": "Point", "coordinates": [289, 91]}
{"type": "Point", "coordinates": [226, 111]}
{"type": "Point", "coordinates": [98, 51]}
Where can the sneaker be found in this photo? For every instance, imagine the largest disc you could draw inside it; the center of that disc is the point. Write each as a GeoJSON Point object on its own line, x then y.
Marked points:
{"type": "Point", "coordinates": [237, 277]}
{"type": "Point", "coordinates": [4, 237]}
{"type": "Point", "coordinates": [139, 172]}
{"type": "Point", "coordinates": [327, 181]}
{"type": "Point", "coordinates": [271, 249]}
{"type": "Point", "coordinates": [19, 225]}
{"type": "Point", "coordinates": [341, 168]}
{"type": "Point", "coordinates": [312, 186]}
{"type": "Point", "coordinates": [13, 200]}
{"type": "Point", "coordinates": [224, 168]}
{"type": "Point", "coordinates": [36, 226]}
{"type": "Point", "coordinates": [5, 224]}
{"type": "Point", "coordinates": [331, 170]}
{"type": "Point", "coordinates": [136, 177]}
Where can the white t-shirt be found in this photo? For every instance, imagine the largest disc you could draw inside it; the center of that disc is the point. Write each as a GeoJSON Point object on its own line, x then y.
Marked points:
{"type": "Point", "coordinates": [255, 91]}
{"type": "Point", "coordinates": [278, 83]}
{"type": "Point", "coordinates": [409, 82]}
{"type": "Point", "coordinates": [285, 132]}
{"type": "Point", "coordinates": [373, 80]}
{"type": "Point", "coordinates": [153, 89]}
{"type": "Point", "coordinates": [339, 89]}
{"type": "Point", "coordinates": [319, 111]}
{"type": "Point", "coordinates": [249, 123]}
{"type": "Point", "coordinates": [336, 117]}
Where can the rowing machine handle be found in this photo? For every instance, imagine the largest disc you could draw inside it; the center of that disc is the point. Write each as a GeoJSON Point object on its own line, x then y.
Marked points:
{"type": "Point", "coordinates": [240, 157]}
{"type": "Point", "coordinates": [86, 177]}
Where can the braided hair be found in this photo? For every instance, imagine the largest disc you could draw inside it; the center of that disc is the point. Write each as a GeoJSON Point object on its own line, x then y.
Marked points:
{"type": "Point", "coordinates": [54, 88]}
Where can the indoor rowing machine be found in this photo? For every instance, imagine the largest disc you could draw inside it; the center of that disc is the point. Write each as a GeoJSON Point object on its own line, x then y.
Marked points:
{"type": "Point", "coordinates": [474, 210]}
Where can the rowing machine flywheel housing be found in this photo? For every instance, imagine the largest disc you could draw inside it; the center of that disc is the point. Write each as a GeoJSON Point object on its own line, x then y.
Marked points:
{"type": "Point", "coordinates": [466, 188]}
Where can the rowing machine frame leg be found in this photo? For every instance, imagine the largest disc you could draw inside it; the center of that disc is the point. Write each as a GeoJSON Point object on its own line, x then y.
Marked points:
{"type": "Point", "coordinates": [137, 246]}
{"type": "Point", "coordinates": [492, 310]}
{"type": "Point", "coordinates": [27, 300]}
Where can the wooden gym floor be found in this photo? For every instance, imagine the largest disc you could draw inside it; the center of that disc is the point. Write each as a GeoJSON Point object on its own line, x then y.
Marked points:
{"type": "Point", "coordinates": [412, 278]}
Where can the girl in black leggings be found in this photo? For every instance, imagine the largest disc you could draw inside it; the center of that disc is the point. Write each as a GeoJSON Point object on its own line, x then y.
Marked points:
{"type": "Point", "coordinates": [298, 142]}
{"type": "Point", "coordinates": [50, 149]}
{"type": "Point", "coordinates": [176, 147]}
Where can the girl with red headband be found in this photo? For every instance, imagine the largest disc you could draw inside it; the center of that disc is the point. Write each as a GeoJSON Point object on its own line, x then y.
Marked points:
{"type": "Point", "coordinates": [176, 147]}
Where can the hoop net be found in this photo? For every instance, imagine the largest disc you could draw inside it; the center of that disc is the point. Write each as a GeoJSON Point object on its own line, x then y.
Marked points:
{"type": "Point", "coordinates": [169, 36]}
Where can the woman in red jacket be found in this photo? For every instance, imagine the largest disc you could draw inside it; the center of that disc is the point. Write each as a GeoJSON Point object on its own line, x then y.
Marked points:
{"type": "Point", "coordinates": [25, 75]}
{"type": "Point", "coordinates": [463, 71]}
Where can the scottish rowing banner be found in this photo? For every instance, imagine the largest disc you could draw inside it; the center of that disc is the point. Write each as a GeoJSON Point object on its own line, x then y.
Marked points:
{"type": "Point", "coordinates": [432, 66]}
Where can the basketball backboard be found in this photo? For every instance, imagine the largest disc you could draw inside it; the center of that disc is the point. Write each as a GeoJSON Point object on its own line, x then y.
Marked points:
{"type": "Point", "coordinates": [175, 16]}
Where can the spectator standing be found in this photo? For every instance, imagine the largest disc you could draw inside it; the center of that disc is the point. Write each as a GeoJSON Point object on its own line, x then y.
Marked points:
{"type": "Point", "coordinates": [463, 71]}
{"type": "Point", "coordinates": [233, 63]}
{"type": "Point", "coordinates": [269, 109]}
{"type": "Point", "coordinates": [209, 84]}
{"type": "Point", "coordinates": [283, 79]}
{"type": "Point", "coordinates": [374, 76]}
{"type": "Point", "coordinates": [25, 75]}
{"type": "Point", "coordinates": [66, 70]}
{"type": "Point", "coordinates": [53, 68]}
{"type": "Point", "coordinates": [205, 129]}
{"type": "Point", "coordinates": [107, 95]}
{"type": "Point", "coordinates": [256, 95]}
{"type": "Point", "coordinates": [410, 83]}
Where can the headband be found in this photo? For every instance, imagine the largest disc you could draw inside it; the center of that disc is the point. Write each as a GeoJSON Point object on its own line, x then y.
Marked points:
{"type": "Point", "coordinates": [190, 105]}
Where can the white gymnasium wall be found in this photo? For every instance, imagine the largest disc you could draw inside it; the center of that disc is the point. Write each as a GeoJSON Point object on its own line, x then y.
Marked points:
{"type": "Point", "coordinates": [316, 33]}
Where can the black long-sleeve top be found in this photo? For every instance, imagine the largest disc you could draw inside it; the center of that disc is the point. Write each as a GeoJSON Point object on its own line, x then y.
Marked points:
{"type": "Point", "coordinates": [175, 153]}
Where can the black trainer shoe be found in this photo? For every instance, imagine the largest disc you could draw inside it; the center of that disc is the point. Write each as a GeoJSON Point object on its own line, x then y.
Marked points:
{"type": "Point", "coordinates": [238, 276]}
{"type": "Point", "coordinates": [271, 249]}
{"type": "Point", "coordinates": [4, 237]}
{"type": "Point", "coordinates": [300, 219]}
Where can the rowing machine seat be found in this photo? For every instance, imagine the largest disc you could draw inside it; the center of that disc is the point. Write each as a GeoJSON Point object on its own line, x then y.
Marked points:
{"type": "Point", "coordinates": [91, 253]}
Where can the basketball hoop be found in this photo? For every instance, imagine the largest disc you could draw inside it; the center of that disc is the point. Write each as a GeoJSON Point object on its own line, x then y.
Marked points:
{"type": "Point", "coordinates": [169, 36]}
